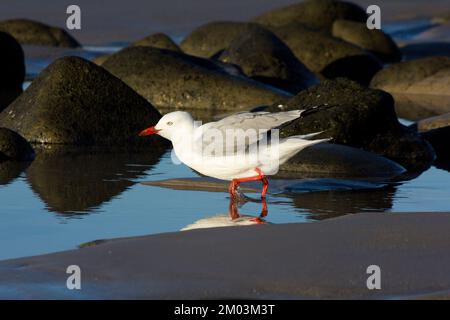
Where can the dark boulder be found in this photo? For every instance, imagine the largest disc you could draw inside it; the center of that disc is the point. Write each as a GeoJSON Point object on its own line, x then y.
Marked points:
{"type": "Point", "coordinates": [175, 80]}
{"type": "Point", "coordinates": [335, 160]}
{"type": "Point", "coordinates": [210, 39]}
{"type": "Point", "coordinates": [37, 33]}
{"type": "Point", "coordinates": [422, 76]}
{"type": "Point", "coordinates": [329, 56]}
{"type": "Point", "coordinates": [12, 69]}
{"type": "Point", "coordinates": [356, 116]}
{"type": "Point", "coordinates": [439, 138]}
{"type": "Point", "coordinates": [431, 123]}
{"type": "Point", "coordinates": [76, 102]}
{"type": "Point", "coordinates": [264, 57]}
{"type": "Point", "coordinates": [374, 41]}
{"type": "Point", "coordinates": [318, 14]}
{"type": "Point", "coordinates": [416, 107]}
{"type": "Point", "coordinates": [158, 40]}
{"type": "Point", "coordinates": [14, 147]}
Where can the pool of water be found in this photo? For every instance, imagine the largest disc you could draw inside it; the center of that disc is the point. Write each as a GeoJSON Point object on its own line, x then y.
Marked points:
{"type": "Point", "coordinates": [64, 199]}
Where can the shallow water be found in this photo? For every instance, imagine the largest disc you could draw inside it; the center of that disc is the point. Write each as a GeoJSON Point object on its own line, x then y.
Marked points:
{"type": "Point", "coordinates": [64, 199]}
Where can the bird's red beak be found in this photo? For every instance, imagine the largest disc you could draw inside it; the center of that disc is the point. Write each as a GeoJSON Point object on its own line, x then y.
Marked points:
{"type": "Point", "coordinates": [148, 131]}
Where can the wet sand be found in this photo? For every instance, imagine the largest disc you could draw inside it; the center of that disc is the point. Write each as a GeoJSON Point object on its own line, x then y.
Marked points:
{"type": "Point", "coordinates": [119, 20]}
{"type": "Point", "coordinates": [326, 259]}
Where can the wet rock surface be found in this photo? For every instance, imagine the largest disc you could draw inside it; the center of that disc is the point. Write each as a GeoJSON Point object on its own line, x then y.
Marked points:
{"type": "Point", "coordinates": [73, 101]}
{"type": "Point", "coordinates": [356, 116]}
{"type": "Point", "coordinates": [264, 57]}
{"type": "Point", "coordinates": [174, 80]}
{"type": "Point", "coordinates": [37, 33]}
{"type": "Point", "coordinates": [12, 69]}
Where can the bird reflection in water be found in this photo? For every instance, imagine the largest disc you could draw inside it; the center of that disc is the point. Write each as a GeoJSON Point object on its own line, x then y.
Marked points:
{"type": "Point", "coordinates": [238, 200]}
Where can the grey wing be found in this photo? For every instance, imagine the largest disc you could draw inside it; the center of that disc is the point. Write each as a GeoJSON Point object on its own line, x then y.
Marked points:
{"type": "Point", "coordinates": [240, 130]}
{"type": "Point", "coordinates": [263, 121]}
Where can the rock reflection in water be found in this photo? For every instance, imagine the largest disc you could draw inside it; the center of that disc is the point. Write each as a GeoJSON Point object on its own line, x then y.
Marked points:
{"type": "Point", "coordinates": [77, 180]}
{"type": "Point", "coordinates": [334, 203]}
{"type": "Point", "coordinates": [11, 170]}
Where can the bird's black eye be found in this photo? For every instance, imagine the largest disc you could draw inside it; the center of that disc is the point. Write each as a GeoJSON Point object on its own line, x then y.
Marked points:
{"type": "Point", "coordinates": [169, 123]}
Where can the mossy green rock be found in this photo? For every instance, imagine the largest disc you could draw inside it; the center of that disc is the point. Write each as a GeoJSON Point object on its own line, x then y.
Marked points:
{"type": "Point", "coordinates": [158, 40]}
{"type": "Point", "coordinates": [174, 80]}
{"type": "Point", "coordinates": [356, 116]}
{"type": "Point", "coordinates": [210, 39]}
{"type": "Point", "coordinates": [37, 33]}
{"type": "Point", "coordinates": [76, 102]}
{"type": "Point", "coordinates": [328, 56]}
{"type": "Point", "coordinates": [264, 57]}
{"type": "Point", "coordinates": [12, 69]}
{"type": "Point", "coordinates": [374, 41]}
{"type": "Point", "coordinates": [14, 147]}
{"type": "Point", "coordinates": [314, 13]}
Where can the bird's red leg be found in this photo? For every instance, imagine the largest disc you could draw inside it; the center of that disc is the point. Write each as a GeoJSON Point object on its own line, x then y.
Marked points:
{"type": "Point", "coordinates": [264, 181]}
{"type": "Point", "coordinates": [232, 188]}
{"type": "Point", "coordinates": [261, 176]}
{"type": "Point", "coordinates": [233, 211]}
{"type": "Point", "coordinates": [264, 210]}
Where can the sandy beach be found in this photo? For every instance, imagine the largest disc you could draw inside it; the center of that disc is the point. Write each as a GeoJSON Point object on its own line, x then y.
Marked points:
{"type": "Point", "coordinates": [327, 259]}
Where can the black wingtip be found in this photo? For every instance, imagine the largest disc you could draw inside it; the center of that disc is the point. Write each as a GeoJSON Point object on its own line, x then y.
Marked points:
{"type": "Point", "coordinates": [314, 109]}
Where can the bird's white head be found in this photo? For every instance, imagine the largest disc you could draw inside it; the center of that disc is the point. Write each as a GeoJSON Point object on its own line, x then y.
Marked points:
{"type": "Point", "coordinates": [171, 125]}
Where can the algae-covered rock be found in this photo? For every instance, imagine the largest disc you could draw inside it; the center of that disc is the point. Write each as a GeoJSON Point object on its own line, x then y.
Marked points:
{"type": "Point", "coordinates": [372, 40]}
{"type": "Point", "coordinates": [356, 116]}
{"type": "Point", "coordinates": [158, 40]}
{"type": "Point", "coordinates": [174, 80]}
{"type": "Point", "coordinates": [264, 57]}
{"type": "Point", "coordinates": [74, 101]}
{"type": "Point", "coordinates": [37, 33]}
{"type": "Point", "coordinates": [314, 13]}
{"type": "Point", "coordinates": [329, 56]}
